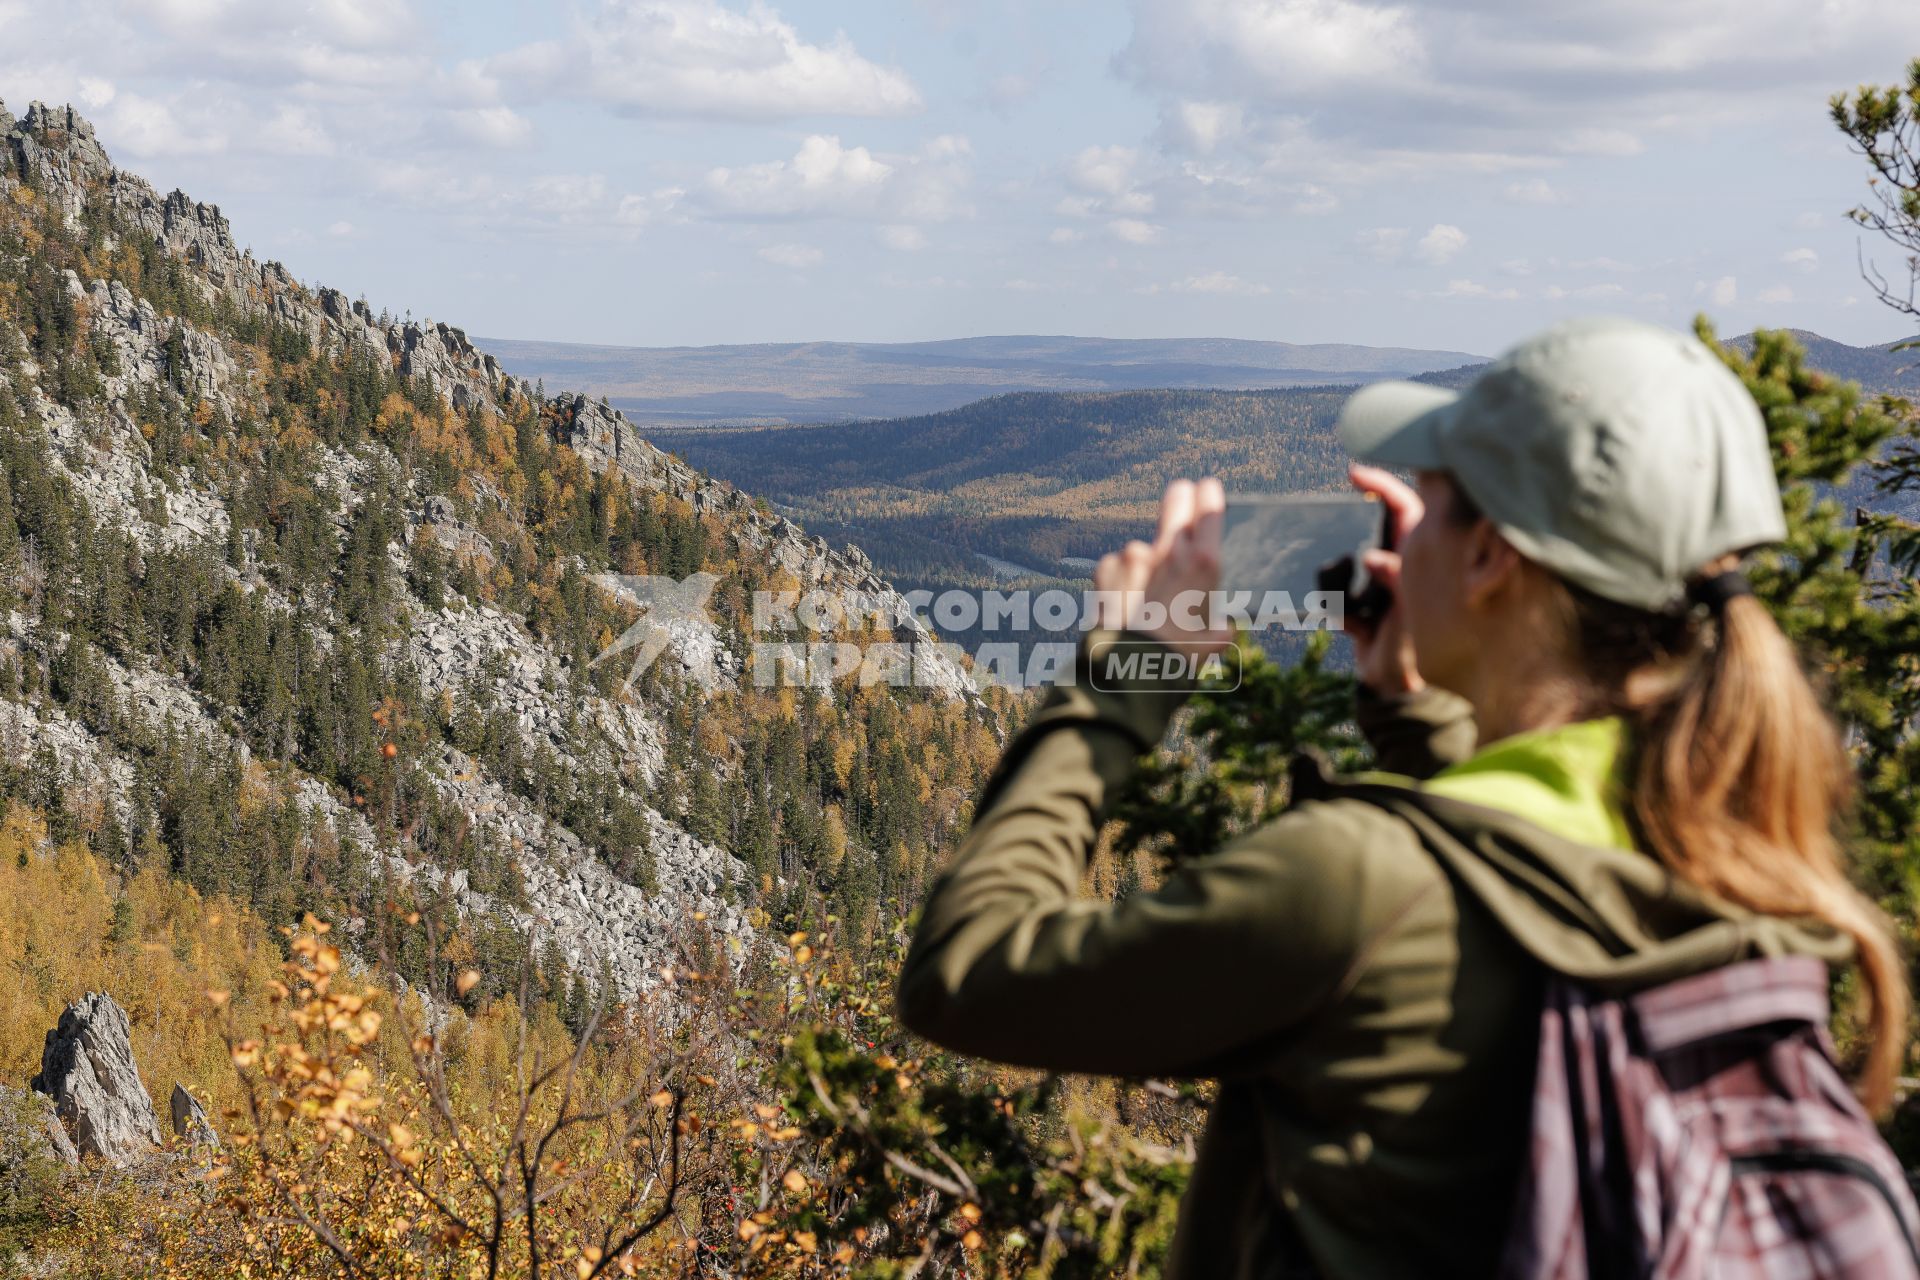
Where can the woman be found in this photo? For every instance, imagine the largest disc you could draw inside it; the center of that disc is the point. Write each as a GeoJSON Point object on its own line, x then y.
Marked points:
{"type": "Point", "coordinates": [1573, 670]}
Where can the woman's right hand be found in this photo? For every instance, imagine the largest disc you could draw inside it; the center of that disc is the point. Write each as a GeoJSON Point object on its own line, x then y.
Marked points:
{"type": "Point", "coordinates": [1383, 656]}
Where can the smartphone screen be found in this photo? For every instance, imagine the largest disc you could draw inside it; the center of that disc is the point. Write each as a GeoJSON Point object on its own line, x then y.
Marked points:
{"type": "Point", "coordinates": [1279, 542]}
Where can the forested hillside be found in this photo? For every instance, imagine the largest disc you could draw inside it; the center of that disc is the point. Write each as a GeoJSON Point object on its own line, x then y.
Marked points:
{"type": "Point", "coordinates": [1030, 479]}
{"type": "Point", "coordinates": [302, 605]}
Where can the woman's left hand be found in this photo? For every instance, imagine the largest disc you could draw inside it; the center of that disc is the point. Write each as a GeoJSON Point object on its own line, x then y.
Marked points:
{"type": "Point", "coordinates": [1164, 589]}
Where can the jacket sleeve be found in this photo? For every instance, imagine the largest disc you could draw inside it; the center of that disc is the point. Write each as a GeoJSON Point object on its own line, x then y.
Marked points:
{"type": "Point", "coordinates": [1416, 734]}
{"type": "Point", "coordinates": [1010, 963]}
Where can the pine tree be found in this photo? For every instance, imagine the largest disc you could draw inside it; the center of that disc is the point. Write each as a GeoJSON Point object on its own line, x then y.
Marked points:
{"type": "Point", "coordinates": [1839, 589]}
{"type": "Point", "coordinates": [1883, 124]}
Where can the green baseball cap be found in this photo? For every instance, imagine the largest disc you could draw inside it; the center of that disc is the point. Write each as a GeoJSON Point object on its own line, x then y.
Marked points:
{"type": "Point", "coordinates": [1621, 455]}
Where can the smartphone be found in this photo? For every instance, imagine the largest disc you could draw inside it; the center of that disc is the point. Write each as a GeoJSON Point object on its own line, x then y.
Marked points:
{"type": "Point", "coordinates": [1306, 542]}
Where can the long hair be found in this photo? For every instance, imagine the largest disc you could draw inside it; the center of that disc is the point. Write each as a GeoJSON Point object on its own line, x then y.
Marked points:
{"type": "Point", "coordinates": [1739, 777]}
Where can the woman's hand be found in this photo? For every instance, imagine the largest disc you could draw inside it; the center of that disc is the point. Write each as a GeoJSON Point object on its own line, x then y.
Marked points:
{"type": "Point", "coordinates": [1164, 589]}
{"type": "Point", "coordinates": [1383, 651]}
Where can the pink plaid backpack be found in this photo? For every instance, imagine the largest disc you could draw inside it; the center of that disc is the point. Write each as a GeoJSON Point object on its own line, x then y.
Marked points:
{"type": "Point", "coordinates": [1702, 1131]}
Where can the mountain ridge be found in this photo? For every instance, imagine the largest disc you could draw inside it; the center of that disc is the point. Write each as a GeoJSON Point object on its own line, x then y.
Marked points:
{"type": "Point", "coordinates": [196, 411]}
{"type": "Point", "coordinates": [844, 381]}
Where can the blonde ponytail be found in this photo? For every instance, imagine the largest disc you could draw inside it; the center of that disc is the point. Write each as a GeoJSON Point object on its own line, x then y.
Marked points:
{"type": "Point", "coordinates": [1740, 778]}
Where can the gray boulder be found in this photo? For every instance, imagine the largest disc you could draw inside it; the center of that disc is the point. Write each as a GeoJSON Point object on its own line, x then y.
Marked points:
{"type": "Point", "coordinates": [190, 1122]}
{"type": "Point", "coordinates": [87, 1068]}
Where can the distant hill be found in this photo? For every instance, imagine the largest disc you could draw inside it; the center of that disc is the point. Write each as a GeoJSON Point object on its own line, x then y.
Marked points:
{"type": "Point", "coordinates": [842, 381]}
{"type": "Point", "coordinates": [1880, 369]}
{"type": "Point", "coordinates": [1037, 481]}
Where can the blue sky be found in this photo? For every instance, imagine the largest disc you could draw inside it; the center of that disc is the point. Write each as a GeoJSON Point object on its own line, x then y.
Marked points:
{"type": "Point", "coordinates": [661, 172]}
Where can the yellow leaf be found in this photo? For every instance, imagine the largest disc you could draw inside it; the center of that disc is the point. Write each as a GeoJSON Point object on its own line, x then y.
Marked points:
{"type": "Point", "coordinates": [795, 1181]}
{"type": "Point", "coordinates": [972, 1241]}
{"type": "Point", "coordinates": [467, 981]}
{"type": "Point", "coordinates": [664, 1098]}
{"type": "Point", "coordinates": [218, 999]}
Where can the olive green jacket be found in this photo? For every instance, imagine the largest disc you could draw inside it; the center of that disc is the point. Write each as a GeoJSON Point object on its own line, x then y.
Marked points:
{"type": "Point", "coordinates": [1362, 974]}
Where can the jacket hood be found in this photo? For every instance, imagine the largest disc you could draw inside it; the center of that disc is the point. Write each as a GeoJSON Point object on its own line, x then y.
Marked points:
{"type": "Point", "coordinates": [1603, 914]}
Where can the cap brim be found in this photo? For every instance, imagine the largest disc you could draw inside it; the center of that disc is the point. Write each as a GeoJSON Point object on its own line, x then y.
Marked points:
{"type": "Point", "coordinates": [1396, 424]}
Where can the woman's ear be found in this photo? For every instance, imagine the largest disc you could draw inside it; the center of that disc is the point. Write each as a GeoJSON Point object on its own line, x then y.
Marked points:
{"type": "Point", "coordinates": [1490, 563]}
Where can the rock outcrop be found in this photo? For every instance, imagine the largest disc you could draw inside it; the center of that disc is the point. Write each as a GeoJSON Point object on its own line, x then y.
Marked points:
{"type": "Point", "coordinates": [190, 1123]}
{"type": "Point", "coordinates": [87, 1069]}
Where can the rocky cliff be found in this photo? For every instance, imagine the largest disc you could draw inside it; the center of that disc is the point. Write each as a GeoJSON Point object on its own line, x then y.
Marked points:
{"type": "Point", "coordinates": [215, 351]}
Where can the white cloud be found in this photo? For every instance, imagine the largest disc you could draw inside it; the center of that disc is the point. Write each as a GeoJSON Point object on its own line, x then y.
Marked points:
{"type": "Point", "coordinates": [143, 127]}
{"type": "Point", "coordinates": [1221, 283]}
{"type": "Point", "coordinates": [1535, 191]}
{"type": "Point", "coordinates": [1318, 88]}
{"type": "Point", "coordinates": [1474, 289]}
{"type": "Point", "coordinates": [822, 177]}
{"type": "Point", "coordinates": [1723, 292]}
{"type": "Point", "coordinates": [826, 179]}
{"type": "Point", "coordinates": [1203, 126]}
{"type": "Point", "coordinates": [550, 203]}
{"type": "Point", "coordinates": [1065, 236]}
{"type": "Point", "coordinates": [1599, 142]}
{"type": "Point", "coordinates": [1515, 267]}
{"type": "Point", "coordinates": [1103, 171]}
{"type": "Point", "coordinates": [904, 238]}
{"type": "Point", "coordinates": [636, 211]}
{"type": "Point", "coordinates": [95, 92]}
{"type": "Point", "coordinates": [1584, 293]}
{"type": "Point", "coordinates": [340, 229]}
{"type": "Point", "coordinates": [1777, 294]}
{"type": "Point", "coordinates": [1267, 48]}
{"type": "Point", "coordinates": [566, 193]}
{"type": "Point", "coordinates": [1382, 243]}
{"type": "Point", "coordinates": [699, 58]}
{"type": "Point", "coordinates": [1441, 244]}
{"type": "Point", "coordinates": [491, 126]}
{"type": "Point", "coordinates": [1315, 201]}
{"type": "Point", "coordinates": [1134, 231]}
{"type": "Point", "coordinates": [1802, 260]}
{"type": "Point", "coordinates": [1812, 221]}
{"type": "Point", "coordinates": [796, 257]}
{"type": "Point", "coordinates": [295, 131]}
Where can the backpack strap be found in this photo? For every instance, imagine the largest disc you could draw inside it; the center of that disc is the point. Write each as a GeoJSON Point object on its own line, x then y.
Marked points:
{"type": "Point", "coordinates": [1737, 997]}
